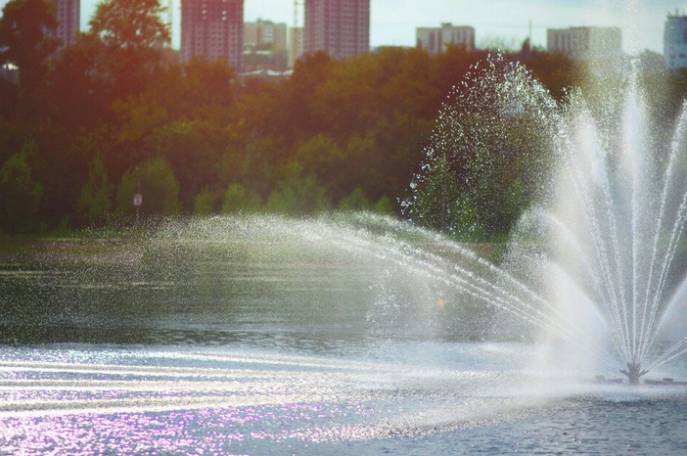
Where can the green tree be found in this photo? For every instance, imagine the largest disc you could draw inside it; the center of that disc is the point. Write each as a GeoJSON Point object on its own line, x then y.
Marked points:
{"type": "Point", "coordinates": [133, 35]}
{"type": "Point", "coordinates": [19, 194]}
{"type": "Point", "coordinates": [384, 206]}
{"type": "Point", "coordinates": [203, 203]}
{"type": "Point", "coordinates": [238, 199]}
{"type": "Point", "coordinates": [324, 159]}
{"type": "Point", "coordinates": [81, 94]}
{"type": "Point", "coordinates": [130, 24]}
{"type": "Point", "coordinates": [94, 201]}
{"type": "Point", "coordinates": [441, 204]}
{"type": "Point", "coordinates": [25, 41]}
{"type": "Point", "coordinates": [158, 185]}
{"type": "Point", "coordinates": [297, 194]}
{"type": "Point", "coordinates": [355, 201]}
{"type": "Point", "coordinates": [193, 149]}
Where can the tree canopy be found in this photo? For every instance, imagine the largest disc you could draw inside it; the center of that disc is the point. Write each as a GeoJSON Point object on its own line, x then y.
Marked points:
{"type": "Point", "coordinates": [119, 107]}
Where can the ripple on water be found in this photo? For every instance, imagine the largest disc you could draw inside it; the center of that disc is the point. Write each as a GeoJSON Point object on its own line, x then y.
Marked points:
{"type": "Point", "coordinates": [191, 401]}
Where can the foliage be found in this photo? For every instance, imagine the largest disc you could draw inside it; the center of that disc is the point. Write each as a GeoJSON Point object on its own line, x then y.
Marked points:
{"type": "Point", "coordinates": [130, 24]}
{"type": "Point", "coordinates": [239, 200]}
{"type": "Point", "coordinates": [384, 206]}
{"type": "Point", "coordinates": [82, 90]}
{"type": "Point", "coordinates": [297, 194]}
{"type": "Point", "coordinates": [19, 194]}
{"type": "Point", "coordinates": [203, 203]}
{"type": "Point", "coordinates": [490, 154]}
{"type": "Point", "coordinates": [133, 37]}
{"type": "Point", "coordinates": [441, 204]}
{"type": "Point", "coordinates": [26, 42]}
{"type": "Point", "coordinates": [346, 134]}
{"type": "Point", "coordinates": [355, 201]}
{"type": "Point", "coordinates": [155, 180]}
{"type": "Point", "coordinates": [94, 201]}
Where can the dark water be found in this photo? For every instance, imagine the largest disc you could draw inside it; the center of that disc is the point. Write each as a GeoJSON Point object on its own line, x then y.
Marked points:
{"type": "Point", "coordinates": [143, 348]}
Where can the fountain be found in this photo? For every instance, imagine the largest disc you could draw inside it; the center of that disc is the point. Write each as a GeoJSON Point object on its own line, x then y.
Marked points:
{"type": "Point", "coordinates": [633, 373]}
{"type": "Point", "coordinates": [362, 333]}
{"type": "Point", "coordinates": [359, 333]}
{"type": "Point", "coordinates": [594, 262]}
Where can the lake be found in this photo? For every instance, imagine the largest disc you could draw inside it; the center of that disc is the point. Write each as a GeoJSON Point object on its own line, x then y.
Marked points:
{"type": "Point", "coordinates": [258, 346]}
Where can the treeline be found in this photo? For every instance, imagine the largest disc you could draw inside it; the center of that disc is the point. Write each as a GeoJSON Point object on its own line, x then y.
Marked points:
{"type": "Point", "coordinates": [85, 128]}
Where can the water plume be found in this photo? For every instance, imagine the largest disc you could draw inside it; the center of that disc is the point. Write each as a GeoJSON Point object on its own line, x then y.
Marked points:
{"type": "Point", "coordinates": [597, 251]}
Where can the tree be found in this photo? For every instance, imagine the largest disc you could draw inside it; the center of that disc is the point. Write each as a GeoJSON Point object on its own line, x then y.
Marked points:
{"type": "Point", "coordinates": [238, 199]}
{"type": "Point", "coordinates": [157, 184]}
{"type": "Point", "coordinates": [19, 194]}
{"type": "Point", "coordinates": [203, 203]}
{"type": "Point", "coordinates": [440, 203]}
{"type": "Point", "coordinates": [384, 206]}
{"type": "Point", "coordinates": [134, 36]}
{"type": "Point", "coordinates": [81, 92]}
{"type": "Point", "coordinates": [25, 41]}
{"type": "Point", "coordinates": [130, 24]}
{"type": "Point", "coordinates": [192, 148]}
{"type": "Point", "coordinates": [355, 201]}
{"type": "Point", "coordinates": [94, 201]}
{"type": "Point", "coordinates": [323, 158]}
{"type": "Point", "coordinates": [297, 194]}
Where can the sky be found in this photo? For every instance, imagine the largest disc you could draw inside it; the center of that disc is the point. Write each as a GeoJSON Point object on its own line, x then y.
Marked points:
{"type": "Point", "coordinates": [393, 22]}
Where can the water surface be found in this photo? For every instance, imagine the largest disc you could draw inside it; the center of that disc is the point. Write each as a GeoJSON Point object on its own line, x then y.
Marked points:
{"type": "Point", "coordinates": [126, 348]}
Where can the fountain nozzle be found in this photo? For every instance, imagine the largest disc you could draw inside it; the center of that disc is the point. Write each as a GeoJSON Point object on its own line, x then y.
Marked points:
{"type": "Point", "coordinates": [633, 373]}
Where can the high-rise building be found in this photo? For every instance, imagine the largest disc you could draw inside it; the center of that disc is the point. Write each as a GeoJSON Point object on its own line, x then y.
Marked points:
{"type": "Point", "coordinates": [675, 41]}
{"type": "Point", "coordinates": [438, 39]}
{"type": "Point", "coordinates": [295, 45]}
{"type": "Point", "coordinates": [67, 16]}
{"type": "Point", "coordinates": [212, 29]}
{"type": "Point", "coordinates": [582, 43]}
{"type": "Point", "coordinates": [341, 28]}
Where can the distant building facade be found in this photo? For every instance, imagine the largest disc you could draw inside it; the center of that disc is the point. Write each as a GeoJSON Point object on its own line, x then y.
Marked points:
{"type": "Point", "coordinates": [212, 29]}
{"type": "Point", "coordinates": [582, 43]}
{"type": "Point", "coordinates": [341, 28]}
{"type": "Point", "coordinates": [264, 46]}
{"type": "Point", "coordinates": [436, 40]}
{"type": "Point", "coordinates": [67, 16]}
{"type": "Point", "coordinates": [295, 45]}
{"type": "Point", "coordinates": [264, 34]}
{"type": "Point", "coordinates": [675, 41]}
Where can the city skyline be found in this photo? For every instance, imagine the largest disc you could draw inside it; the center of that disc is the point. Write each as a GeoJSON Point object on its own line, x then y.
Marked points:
{"type": "Point", "coordinates": [393, 22]}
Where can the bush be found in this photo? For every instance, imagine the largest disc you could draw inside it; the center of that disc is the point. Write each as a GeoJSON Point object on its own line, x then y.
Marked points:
{"type": "Point", "coordinates": [355, 201]}
{"type": "Point", "coordinates": [157, 184]}
{"type": "Point", "coordinates": [203, 203]}
{"type": "Point", "coordinates": [384, 206]}
{"type": "Point", "coordinates": [19, 194]}
{"type": "Point", "coordinates": [440, 204]}
{"type": "Point", "coordinates": [94, 202]}
{"type": "Point", "coordinates": [238, 199]}
{"type": "Point", "coordinates": [297, 194]}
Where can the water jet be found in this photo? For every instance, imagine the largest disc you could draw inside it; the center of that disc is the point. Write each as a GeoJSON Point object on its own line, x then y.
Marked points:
{"type": "Point", "coordinates": [633, 373]}
{"type": "Point", "coordinates": [595, 263]}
